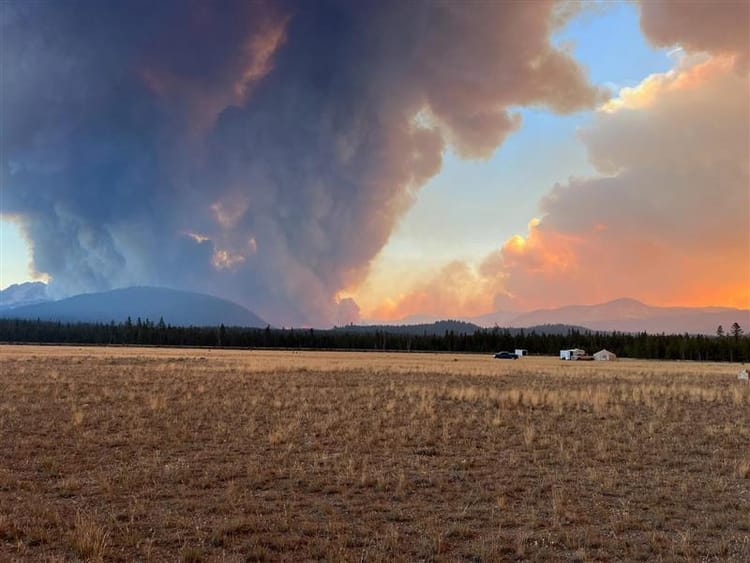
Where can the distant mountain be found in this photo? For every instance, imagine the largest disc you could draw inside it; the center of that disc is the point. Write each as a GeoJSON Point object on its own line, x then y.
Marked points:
{"type": "Point", "coordinates": [630, 315]}
{"type": "Point", "coordinates": [20, 294]}
{"type": "Point", "coordinates": [499, 318]}
{"type": "Point", "coordinates": [178, 308]}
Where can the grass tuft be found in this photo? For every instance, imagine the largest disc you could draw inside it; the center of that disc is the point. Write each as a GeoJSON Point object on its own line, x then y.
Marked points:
{"type": "Point", "coordinates": [88, 539]}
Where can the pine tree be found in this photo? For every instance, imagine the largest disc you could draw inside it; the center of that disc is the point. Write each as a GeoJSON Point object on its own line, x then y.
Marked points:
{"type": "Point", "coordinates": [736, 331]}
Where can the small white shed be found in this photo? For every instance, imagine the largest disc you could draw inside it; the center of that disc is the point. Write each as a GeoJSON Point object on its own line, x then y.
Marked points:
{"type": "Point", "coordinates": [521, 352]}
{"type": "Point", "coordinates": [605, 355]}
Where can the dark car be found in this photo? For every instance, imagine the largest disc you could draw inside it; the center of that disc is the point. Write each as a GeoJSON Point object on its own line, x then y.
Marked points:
{"type": "Point", "coordinates": [506, 356]}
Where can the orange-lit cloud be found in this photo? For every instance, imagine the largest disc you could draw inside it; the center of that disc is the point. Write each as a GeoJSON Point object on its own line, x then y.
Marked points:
{"type": "Point", "coordinates": [534, 252]}
{"type": "Point", "coordinates": [668, 222]}
{"type": "Point", "coordinates": [457, 290]}
{"type": "Point", "coordinates": [691, 73]}
{"type": "Point", "coordinates": [671, 224]}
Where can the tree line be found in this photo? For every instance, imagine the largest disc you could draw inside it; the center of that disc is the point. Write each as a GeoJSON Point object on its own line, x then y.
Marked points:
{"type": "Point", "coordinates": [732, 348]}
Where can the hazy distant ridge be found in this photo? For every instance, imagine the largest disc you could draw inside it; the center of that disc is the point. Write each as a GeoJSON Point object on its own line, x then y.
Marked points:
{"type": "Point", "coordinates": [630, 315]}
{"type": "Point", "coordinates": [179, 308]}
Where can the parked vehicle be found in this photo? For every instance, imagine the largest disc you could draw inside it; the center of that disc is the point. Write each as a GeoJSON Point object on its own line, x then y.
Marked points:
{"type": "Point", "coordinates": [506, 356]}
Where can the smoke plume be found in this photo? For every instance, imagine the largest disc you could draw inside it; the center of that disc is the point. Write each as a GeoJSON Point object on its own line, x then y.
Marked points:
{"type": "Point", "coordinates": [260, 151]}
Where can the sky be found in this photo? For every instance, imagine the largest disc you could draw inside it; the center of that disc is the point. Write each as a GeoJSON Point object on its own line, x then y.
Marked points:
{"type": "Point", "coordinates": [323, 164]}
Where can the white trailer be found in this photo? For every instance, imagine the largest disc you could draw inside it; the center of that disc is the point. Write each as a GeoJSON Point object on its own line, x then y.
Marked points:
{"type": "Point", "coordinates": [572, 354]}
{"type": "Point", "coordinates": [520, 352]}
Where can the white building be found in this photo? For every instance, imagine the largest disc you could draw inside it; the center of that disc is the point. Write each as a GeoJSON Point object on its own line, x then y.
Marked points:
{"type": "Point", "coordinates": [572, 354]}
{"type": "Point", "coordinates": [521, 352]}
{"type": "Point", "coordinates": [605, 355]}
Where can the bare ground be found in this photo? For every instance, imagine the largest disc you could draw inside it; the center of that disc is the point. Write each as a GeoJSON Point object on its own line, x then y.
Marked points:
{"type": "Point", "coordinates": [156, 454]}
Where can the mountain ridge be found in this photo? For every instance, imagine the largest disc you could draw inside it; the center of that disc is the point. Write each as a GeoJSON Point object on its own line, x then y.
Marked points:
{"type": "Point", "coordinates": [176, 307]}
{"type": "Point", "coordinates": [630, 315]}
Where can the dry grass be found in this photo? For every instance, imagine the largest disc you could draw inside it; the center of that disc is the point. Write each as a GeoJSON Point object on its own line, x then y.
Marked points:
{"type": "Point", "coordinates": [155, 454]}
{"type": "Point", "coordinates": [87, 539]}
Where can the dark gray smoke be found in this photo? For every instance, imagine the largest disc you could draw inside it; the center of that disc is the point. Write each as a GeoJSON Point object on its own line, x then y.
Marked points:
{"type": "Point", "coordinates": [260, 151]}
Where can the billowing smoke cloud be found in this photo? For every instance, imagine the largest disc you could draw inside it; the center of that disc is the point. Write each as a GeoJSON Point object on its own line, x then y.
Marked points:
{"type": "Point", "coordinates": [260, 151]}
{"type": "Point", "coordinates": [668, 218]}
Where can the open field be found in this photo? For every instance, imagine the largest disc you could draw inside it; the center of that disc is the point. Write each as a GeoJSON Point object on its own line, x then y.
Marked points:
{"type": "Point", "coordinates": [157, 454]}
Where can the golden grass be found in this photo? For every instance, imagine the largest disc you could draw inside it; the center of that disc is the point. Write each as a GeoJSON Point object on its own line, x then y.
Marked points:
{"type": "Point", "coordinates": [202, 455]}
